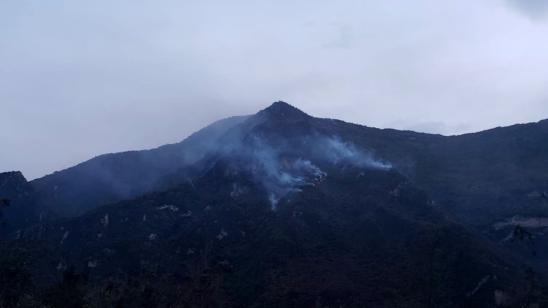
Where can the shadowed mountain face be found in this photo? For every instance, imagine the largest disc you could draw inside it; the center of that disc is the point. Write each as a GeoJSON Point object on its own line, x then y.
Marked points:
{"type": "Point", "coordinates": [18, 205]}
{"type": "Point", "coordinates": [480, 178]}
{"type": "Point", "coordinates": [343, 236]}
{"type": "Point", "coordinates": [114, 177]}
{"type": "Point", "coordinates": [284, 209]}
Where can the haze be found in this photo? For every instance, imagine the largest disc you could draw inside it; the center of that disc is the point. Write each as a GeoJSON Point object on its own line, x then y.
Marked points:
{"type": "Point", "coordinates": [82, 78]}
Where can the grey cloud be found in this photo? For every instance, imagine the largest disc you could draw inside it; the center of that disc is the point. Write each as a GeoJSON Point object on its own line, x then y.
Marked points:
{"type": "Point", "coordinates": [81, 78]}
{"type": "Point", "coordinates": [343, 37]}
{"type": "Point", "coordinates": [533, 8]}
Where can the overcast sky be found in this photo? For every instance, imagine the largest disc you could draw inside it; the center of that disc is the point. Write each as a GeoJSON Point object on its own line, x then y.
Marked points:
{"type": "Point", "coordinates": [82, 78]}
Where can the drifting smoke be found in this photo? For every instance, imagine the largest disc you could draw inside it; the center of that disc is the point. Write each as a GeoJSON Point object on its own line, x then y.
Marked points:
{"type": "Point", "coordinates": [281, 172]}
{"type": "Point", "coordinates": [273, 201]}
{"type": "Point", "coordinates": [338, 151]}
{"type": "Point", "coordinates": [278, 174]}
{"type": "Point", "coordinates": [306, 165]}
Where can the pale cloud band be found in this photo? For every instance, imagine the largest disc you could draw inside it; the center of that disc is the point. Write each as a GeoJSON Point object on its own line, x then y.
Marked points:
{"type": "Point", "coordinates": [533, 8]}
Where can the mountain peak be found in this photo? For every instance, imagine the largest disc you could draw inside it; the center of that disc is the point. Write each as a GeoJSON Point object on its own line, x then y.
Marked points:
{"type": "Point", "coordinates": [283, 110]}
{"type": "Point", "coordinates": [12, 181]}
{"type": "Point", "coordinates": [16, 176]}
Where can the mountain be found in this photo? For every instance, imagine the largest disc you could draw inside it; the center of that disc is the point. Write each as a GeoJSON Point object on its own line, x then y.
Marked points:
{"type": "Point", "coordinates": [491, 172]}
{"type": "Point", "coordinates": [18, 206]}
{"type": "Point", "coordinates": [348, 237]}
{"type": "Point", "coordinates": [113, 177]}
{"type": "Point", "coordinates": [479, 177]}
{"type": "Point", "coordinates": [284, 209]}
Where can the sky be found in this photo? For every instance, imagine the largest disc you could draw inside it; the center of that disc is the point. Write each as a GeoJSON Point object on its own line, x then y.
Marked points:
{"type": "Point", "coordinates": [83, 78]}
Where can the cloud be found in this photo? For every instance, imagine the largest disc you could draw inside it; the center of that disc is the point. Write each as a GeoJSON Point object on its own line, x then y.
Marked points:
{"type": "Point", "coordinates": [535, 9]}
{"type": "Point", "coordinates": [81, 78]}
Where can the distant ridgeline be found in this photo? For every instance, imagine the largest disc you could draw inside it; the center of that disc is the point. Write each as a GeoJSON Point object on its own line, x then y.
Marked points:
{"type": "Point", "coordinates": [284, 209]}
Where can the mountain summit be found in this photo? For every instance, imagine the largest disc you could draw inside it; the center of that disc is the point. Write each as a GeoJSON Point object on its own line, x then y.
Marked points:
{"type": "Point", "coordinates": [18, 206]}
{"type": "Point", "coordinates": [283, 111]}
{"type": "Point", "coordinates": [12, 181]}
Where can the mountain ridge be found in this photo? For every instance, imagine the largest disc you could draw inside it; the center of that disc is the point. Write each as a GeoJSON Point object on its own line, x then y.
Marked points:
{"type": "Point", "coordinates": [542, 121]}
{"type": "Point", "coordinates": [117, 176]}
{"type": "Point", "coordinates": [517, 125]}
{"type": "Point", "coordinates": [442, 220]}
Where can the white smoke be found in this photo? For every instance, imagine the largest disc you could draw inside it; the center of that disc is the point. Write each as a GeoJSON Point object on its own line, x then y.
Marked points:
{"type": "Point", "coordinates": [338, 151]}
{"type": "Point", "coordinates": [281, 174]}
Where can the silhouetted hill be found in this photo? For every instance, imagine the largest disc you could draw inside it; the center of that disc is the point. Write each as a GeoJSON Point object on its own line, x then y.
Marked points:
{"type": "Point", "coordinates": [113, 177]}
{"type": "Point", "coordinates": [479, 179]}
{"type": "Point", "coordinates": [284, 209]}
{"type": "Point", "coordinates": [18, 206]}
{"type": "Point", "coordinates": [343, 235]}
